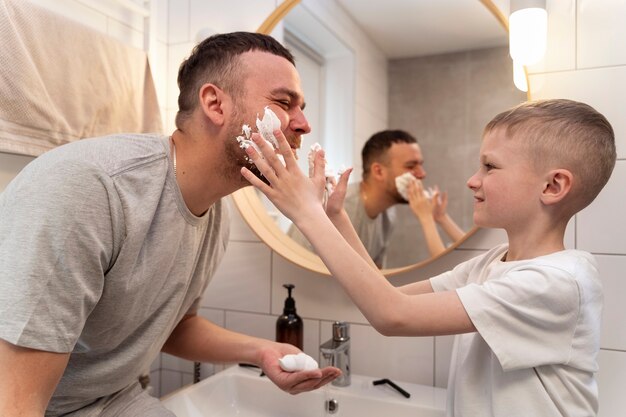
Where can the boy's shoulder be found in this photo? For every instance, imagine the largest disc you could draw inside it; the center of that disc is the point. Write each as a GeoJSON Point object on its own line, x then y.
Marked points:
{"type": "Point", "coordinates": [572, 262]}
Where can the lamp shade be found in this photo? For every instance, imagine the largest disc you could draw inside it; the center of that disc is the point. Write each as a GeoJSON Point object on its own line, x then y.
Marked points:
{"type": "Point", "coordinates": [519, 77]}
{"type": "Point", "coordinates": [528, 31]}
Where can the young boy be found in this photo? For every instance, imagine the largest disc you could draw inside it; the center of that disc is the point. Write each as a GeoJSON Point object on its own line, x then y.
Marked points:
{"type": "Point", "coordinates": [527, 313]}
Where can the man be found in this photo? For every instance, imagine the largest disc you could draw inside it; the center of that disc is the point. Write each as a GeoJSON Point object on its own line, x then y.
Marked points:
{"type": "Point", "coordinates": [107, 244]}
{"type": "Point", "coordinates": [385, 156]}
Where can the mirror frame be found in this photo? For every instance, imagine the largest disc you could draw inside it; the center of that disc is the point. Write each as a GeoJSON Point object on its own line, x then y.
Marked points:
{"type": "Point", "coordinates": [255, 215]}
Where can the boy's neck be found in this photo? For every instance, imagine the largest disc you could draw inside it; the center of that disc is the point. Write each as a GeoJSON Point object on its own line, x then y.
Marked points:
{"type": "Point", "coordinates": [535, 243]}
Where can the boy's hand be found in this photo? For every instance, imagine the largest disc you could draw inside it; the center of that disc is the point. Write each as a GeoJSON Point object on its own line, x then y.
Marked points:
{"type": "Point", "coordinates": [334, 205]}
{"type": "Point", "coordinates": [292, 192]}
{"type": "Point", "coordinates": [421, 205]}
{"type": "Point", "coordinates": [440, 205]}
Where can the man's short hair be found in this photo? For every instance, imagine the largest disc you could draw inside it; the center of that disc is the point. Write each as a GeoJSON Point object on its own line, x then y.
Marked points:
{"type": "Point", "coordinates": [216, 60]}
{"type": "Point", "coordinates": [376, 147]}
{"type": "Point", "coordinates": [565, 134]}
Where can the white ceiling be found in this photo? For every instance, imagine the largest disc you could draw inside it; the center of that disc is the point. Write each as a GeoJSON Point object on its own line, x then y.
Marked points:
{"type": "Point", "coordinates": [408, 28]}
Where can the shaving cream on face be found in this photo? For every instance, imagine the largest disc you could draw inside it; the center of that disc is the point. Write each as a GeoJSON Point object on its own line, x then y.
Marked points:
{"type": "Point", "coordinates": [266, 128]}
{"type": "Point", "coordinates": [268, 125]}
{"type": "Point", "coordinates": [402, 184]}
{"type": "Point", "coordinates": [299, 362]}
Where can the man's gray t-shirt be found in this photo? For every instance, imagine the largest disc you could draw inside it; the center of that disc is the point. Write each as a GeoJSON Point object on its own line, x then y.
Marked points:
{"type": "Point", "coordinates": [100, 257]}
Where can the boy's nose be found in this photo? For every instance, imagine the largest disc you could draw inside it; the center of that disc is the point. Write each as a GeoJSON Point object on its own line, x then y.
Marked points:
{"type": "Point", "coordinates": [473, 182]}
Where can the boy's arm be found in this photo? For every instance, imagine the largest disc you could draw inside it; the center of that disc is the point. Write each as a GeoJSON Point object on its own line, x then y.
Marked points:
{"type": "Point", "coordinates": [423, 210]}
{"type": "Point", "coordinates": [415, 288]}
{"type": "Point", "coordinates": [28, 378]}
{"type": "Point", "coordinates": [340, 219]}
{"type": "Point", "coordinates": [443, 218]}
{"type": "Point", "coordinates": [413, 310]}
{"type": "Point", "coordinates": [389, 310]}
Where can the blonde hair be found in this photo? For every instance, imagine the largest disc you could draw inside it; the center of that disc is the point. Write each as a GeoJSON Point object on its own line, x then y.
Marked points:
{"type": "Point", "coordinates": [567, 134]}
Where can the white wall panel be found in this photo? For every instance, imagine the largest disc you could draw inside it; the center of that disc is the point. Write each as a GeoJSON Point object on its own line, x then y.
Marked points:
{"type": "Point", "coordinates": [601, 33]}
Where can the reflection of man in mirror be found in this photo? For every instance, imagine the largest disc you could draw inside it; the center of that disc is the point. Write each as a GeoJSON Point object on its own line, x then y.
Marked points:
{"type": "Point", "coordinates": [385, 156]}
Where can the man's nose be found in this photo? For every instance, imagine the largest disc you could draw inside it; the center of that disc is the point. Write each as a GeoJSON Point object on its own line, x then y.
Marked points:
{"type": "Point", "coordinates": [300, 124]}
{"type": "Point", "coordinates": [419, 172]}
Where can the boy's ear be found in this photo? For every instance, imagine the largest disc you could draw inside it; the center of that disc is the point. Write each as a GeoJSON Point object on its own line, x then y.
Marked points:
{"type": "Point", "coordinates": [557, 186]}
{"type": "Point", "coordinates": [212, 103]}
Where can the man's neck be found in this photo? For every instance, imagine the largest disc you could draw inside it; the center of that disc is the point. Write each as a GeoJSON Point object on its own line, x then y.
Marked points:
{"type": "Point", "coordinates": [375, 200]}
{"type": "Point", "coordinates": [200, 171]}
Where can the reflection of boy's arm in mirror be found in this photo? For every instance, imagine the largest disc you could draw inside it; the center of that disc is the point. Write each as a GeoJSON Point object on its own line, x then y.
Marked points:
{"type": "Point", "coordinates": [340, 219]}
{"type": "Point", "coordinates": [423, 209]}
{"type": "Point", "coordinates": [440, 204]}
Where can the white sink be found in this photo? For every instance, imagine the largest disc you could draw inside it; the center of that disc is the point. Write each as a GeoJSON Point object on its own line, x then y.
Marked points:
{"type": "Point", "coordinates": [242, 392]}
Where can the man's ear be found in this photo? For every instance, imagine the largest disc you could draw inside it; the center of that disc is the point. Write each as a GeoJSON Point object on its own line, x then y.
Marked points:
{"type": "Point", "coordinates": [377, 170]}
{"type": "Point", "coordinates": [557, 186]}
{"type": "Point", "coordinates": [213, 102]}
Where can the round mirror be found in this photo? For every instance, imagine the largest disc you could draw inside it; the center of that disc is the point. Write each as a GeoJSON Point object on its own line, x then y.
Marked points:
{"type": "Point", "coordinates": [437, 70]}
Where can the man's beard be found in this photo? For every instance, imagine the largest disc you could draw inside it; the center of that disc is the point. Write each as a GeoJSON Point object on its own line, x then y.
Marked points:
{"type": "Point", "coordinates": [236, 156]}
{"type": "Point", "coordinates": [395, 194]}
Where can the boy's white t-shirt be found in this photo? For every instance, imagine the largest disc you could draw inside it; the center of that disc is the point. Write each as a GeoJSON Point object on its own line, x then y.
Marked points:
{"type": "Point", "coordinates": [535, 351]}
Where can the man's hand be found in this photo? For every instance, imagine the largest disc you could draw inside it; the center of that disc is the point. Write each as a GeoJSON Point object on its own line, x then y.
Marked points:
{"type": "Point", "coordinates": [293, 382]}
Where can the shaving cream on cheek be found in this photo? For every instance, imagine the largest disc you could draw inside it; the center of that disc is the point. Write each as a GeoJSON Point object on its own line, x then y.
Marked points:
{"type": "Point", "coordinates": [402, 184]}
{"type": "Point", "coordinates": [266, 128]}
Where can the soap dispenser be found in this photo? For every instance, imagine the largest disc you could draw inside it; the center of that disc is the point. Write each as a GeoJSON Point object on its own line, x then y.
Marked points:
{"type": "Point", "coordinates": [289, 324]}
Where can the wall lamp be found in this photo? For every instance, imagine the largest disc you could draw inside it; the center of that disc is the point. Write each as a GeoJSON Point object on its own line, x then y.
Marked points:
{"type": "Point", "coordinates": [528, 33]}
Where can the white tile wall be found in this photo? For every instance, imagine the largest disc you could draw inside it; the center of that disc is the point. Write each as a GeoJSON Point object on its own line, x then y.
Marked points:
{"type": "Point", "coordinates": [601, 227]}
{"type": "Point", "coordinates": [611, 383]}
{"type": "Point", "coordinates": [612, 273]}
{"type": "Point", "coordinates": [242, 281]}
{"type": "Point", "coordinates": [601, 32]}
{"type": "Point", "coordinates": [443, 355]}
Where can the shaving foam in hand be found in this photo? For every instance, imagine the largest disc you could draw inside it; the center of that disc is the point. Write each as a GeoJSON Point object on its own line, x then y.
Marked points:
{"type": "Point", "coordinates": [299, 362]}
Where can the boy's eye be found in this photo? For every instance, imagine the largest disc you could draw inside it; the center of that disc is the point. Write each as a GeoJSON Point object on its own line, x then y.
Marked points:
{"type": "Point", "coordinates": [488, 167]}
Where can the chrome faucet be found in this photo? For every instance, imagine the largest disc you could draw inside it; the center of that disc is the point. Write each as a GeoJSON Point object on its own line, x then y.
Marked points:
{"type": "Point", "coordinates": [336, 352]}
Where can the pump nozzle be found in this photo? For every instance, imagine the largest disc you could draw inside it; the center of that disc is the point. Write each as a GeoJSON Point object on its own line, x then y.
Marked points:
{"type": "Point", "coordinates": [290, 303]}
